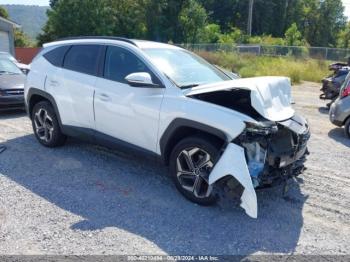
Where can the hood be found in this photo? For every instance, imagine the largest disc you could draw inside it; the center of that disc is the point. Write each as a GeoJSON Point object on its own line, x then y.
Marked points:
{"type": "Point", "coordinates": [12, 81]}
{"type": "Point", "coordinates": [270, 96]}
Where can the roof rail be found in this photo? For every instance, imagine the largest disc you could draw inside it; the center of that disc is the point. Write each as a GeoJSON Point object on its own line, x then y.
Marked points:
{"type": "Point", "coordinates": [98, 37]}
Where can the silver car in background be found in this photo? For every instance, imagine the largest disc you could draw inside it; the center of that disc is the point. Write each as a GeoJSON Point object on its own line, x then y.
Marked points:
{"type": "Point", "coordinates": [11, 86]}
{"type": "Point", "coordinates": [339, 113]}
{"type": "Point", "coordinates": [25, 68]}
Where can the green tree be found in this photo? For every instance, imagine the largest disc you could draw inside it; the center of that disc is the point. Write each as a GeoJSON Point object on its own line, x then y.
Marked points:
{"type": "Point", "coordinates": [171, 29]}
{"type": "Point", "coordinates": [3, 12]}
{"type": "Point", "coordinates": [211, 33]}
{"type": "Point", "coordinates": [344, 37]}
{"type": "Point", "coordinates": [155, 19]}
{"type": "Point", "coordinates": [22, 40]}
{"type": "Point", "coordinates": [319, 22]}
{"type": "Point", "coordinates": [331, 22]}
{"type": "Point", "coordinates": [90, 17]}
{"type": "Point", "coordinates": [236, 36]}
{"type": "Point", "coordinates": [322, 21]}
{"type": "Point", "coordinates": [192, 20]}
{"type": "Point", "coordinates": [53, 3]}
{"type": "Point", "coordinates": [293, 36]}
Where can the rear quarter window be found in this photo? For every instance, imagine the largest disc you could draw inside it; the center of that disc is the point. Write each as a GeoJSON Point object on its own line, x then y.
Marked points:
{"type": "Point", "coordinates": [82, 58]}
{"type": "Point", "coordinates": [56, 56]}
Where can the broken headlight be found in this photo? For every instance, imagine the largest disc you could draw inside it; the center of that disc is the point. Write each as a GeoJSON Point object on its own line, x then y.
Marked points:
{"type": "Point", "coordinates": [260, 128]}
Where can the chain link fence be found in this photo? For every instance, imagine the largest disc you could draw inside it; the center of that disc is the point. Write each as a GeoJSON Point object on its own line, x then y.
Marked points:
{"type": "Point", "coordinates": [324, 53]}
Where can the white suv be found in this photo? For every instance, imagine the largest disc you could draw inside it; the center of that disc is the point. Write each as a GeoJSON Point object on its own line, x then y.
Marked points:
{"type": "Point", "coordinates": [212, 130]}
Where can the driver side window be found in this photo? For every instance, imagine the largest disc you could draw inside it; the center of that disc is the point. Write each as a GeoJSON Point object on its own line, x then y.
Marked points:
{"type": "Point", "coordinates": [120, 62]}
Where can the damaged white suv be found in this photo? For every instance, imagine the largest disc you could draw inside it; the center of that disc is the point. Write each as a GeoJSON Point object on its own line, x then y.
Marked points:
{"type": "Point", "coordinates": [212, 130]}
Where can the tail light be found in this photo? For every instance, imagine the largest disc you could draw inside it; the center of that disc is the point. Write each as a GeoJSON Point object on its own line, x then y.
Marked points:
{"type": "Point", "coordinates": [345, 92]}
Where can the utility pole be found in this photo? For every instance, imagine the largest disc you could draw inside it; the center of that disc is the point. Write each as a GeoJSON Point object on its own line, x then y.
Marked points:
{"type": "Point", "coordinates": [250, 17]}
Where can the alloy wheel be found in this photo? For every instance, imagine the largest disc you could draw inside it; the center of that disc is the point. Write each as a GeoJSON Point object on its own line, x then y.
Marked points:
{"type": "Point", "coordinates": [193, 166]}
{"type": "Point", "coordinates": [43, 125]}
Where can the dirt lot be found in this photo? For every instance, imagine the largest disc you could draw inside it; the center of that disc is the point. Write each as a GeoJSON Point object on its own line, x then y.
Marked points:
{"type": "Point", "coordinates": [83, 199]}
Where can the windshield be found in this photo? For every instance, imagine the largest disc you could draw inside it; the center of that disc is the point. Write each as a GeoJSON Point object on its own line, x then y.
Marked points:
{"type": "Point", "coordinates": [8, 67]}
{"type": "Point", "coordinates": [184, 68]}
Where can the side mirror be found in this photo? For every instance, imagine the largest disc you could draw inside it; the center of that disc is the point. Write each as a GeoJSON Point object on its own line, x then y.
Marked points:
{"type": "Point", "coordinates": [140, 79]}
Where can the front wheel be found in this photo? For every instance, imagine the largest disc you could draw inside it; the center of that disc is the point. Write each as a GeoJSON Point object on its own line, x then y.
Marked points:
{"type": "Point", "coordinates": [45, 125]}
{"type": "Point", "coordinates": [191, 162]}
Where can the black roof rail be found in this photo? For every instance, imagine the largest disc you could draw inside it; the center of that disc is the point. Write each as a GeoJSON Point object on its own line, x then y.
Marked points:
{"type": "Point", "coordinates": [98, 37]}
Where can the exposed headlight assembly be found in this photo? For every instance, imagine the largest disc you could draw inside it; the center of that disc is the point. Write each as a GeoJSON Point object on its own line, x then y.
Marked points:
{"type": "Point", "coordinates": [261, 128]}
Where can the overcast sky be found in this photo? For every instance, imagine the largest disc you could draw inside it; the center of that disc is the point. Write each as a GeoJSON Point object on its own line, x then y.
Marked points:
{"type": "Point", "coordinates": [46, 3]}
{"type": "Point", "coordinates": [25, 2]}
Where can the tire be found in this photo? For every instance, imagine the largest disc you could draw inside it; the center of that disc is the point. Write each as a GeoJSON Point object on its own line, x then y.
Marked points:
{"type": "Point", "coordinates": [347, 128]}
{"type": "Point", "coordinates": [45, 125]}
{"type": "Point", "coordinates": [199, 149]}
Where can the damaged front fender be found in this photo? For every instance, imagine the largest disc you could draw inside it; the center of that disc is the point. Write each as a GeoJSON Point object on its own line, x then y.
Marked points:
{"type": "Point", "coordinates": [233, 163]}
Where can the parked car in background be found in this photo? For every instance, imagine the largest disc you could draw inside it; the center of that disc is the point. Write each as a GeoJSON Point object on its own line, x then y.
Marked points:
{"type": "Point", "coordinates": [25, 68]}
{"type": "Point", "coordinates": [331, 85]}
{"type": "Point", "coordinates": [339, 113]}
{"type": "Point", "coordinates": [11, 85]}
{"type": "Point", "coordinates": [213, 130]}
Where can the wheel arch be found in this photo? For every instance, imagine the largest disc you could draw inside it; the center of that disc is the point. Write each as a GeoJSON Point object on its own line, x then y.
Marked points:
{"type": "Point", "coordinates": [180, 128]}
{"type": "Point", "coordinates": [35, 96]}
{"type": "Point", "coordinates": [346, 119]}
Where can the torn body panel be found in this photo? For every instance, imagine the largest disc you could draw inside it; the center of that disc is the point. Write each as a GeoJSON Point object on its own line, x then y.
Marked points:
{"type": "Point", "coordinates": [262, 157]}
{"type": "Point", "coordinates": [233, 163]}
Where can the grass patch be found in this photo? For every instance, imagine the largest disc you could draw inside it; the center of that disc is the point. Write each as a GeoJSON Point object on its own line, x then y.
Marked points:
{"type": "Point", "coordinates": [250, 65]}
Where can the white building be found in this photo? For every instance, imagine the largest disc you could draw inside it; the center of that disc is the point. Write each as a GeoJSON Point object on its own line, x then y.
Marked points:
{"type": "Point", "coordinates": [7, 35]}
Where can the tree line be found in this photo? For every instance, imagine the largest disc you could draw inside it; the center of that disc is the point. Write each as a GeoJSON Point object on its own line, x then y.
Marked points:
{"type": "Point", "coordinates": [280, 22]}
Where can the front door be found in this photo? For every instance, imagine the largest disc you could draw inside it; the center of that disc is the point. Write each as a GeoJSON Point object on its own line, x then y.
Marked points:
{"type": "Point", "coordinates": [130, 114]}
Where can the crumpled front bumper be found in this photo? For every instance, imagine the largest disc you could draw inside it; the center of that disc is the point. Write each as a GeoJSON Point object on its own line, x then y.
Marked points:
{"type": "Point", "coordinates": [279, 165]}
{"type": "Point", "coordinates": [233, 163]}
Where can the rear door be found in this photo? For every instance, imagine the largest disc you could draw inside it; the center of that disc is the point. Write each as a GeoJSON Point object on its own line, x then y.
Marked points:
{"type": "Point", "coordinates": [72, 85]}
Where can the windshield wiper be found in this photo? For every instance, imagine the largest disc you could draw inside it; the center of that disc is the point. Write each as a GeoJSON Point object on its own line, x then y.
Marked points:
{"type": "Point", "coordinates": [7, 72]}
{"type": "Point", "coordinates": [189, 86]}
{"type": "Point", "coordinates": [183, 86]}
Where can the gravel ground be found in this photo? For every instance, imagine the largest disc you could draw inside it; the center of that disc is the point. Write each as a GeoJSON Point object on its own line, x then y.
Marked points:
{"type": "Point", "coordinates": [83, 199]}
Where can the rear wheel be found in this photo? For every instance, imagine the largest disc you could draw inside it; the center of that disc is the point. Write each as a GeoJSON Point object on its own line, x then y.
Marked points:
{"type": "Point", "coordinates": [347, 128]}
{"type": "Point", "coordinates": [191, 162]}
{"type": "Point", "coordinates": [45, 125]}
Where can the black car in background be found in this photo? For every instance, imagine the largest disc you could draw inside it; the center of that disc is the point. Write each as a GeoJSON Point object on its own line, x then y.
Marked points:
{"type": "Point", "coordinates": [11, 86]}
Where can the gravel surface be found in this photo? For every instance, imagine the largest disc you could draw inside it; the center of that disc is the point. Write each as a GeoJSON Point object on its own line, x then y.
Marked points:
{"type": "Point", "coordinates": [83, 199]}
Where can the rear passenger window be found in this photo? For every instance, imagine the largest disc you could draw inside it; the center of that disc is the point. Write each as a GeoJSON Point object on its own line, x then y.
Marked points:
{"type": "Point", "coordinates": [82, 58]}
{"type": "Point", "coordinates": [56, 55]}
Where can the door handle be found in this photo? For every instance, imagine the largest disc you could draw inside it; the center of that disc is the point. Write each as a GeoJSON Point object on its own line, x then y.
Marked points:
{"type": "Point", "coordinates": [104, 97]}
